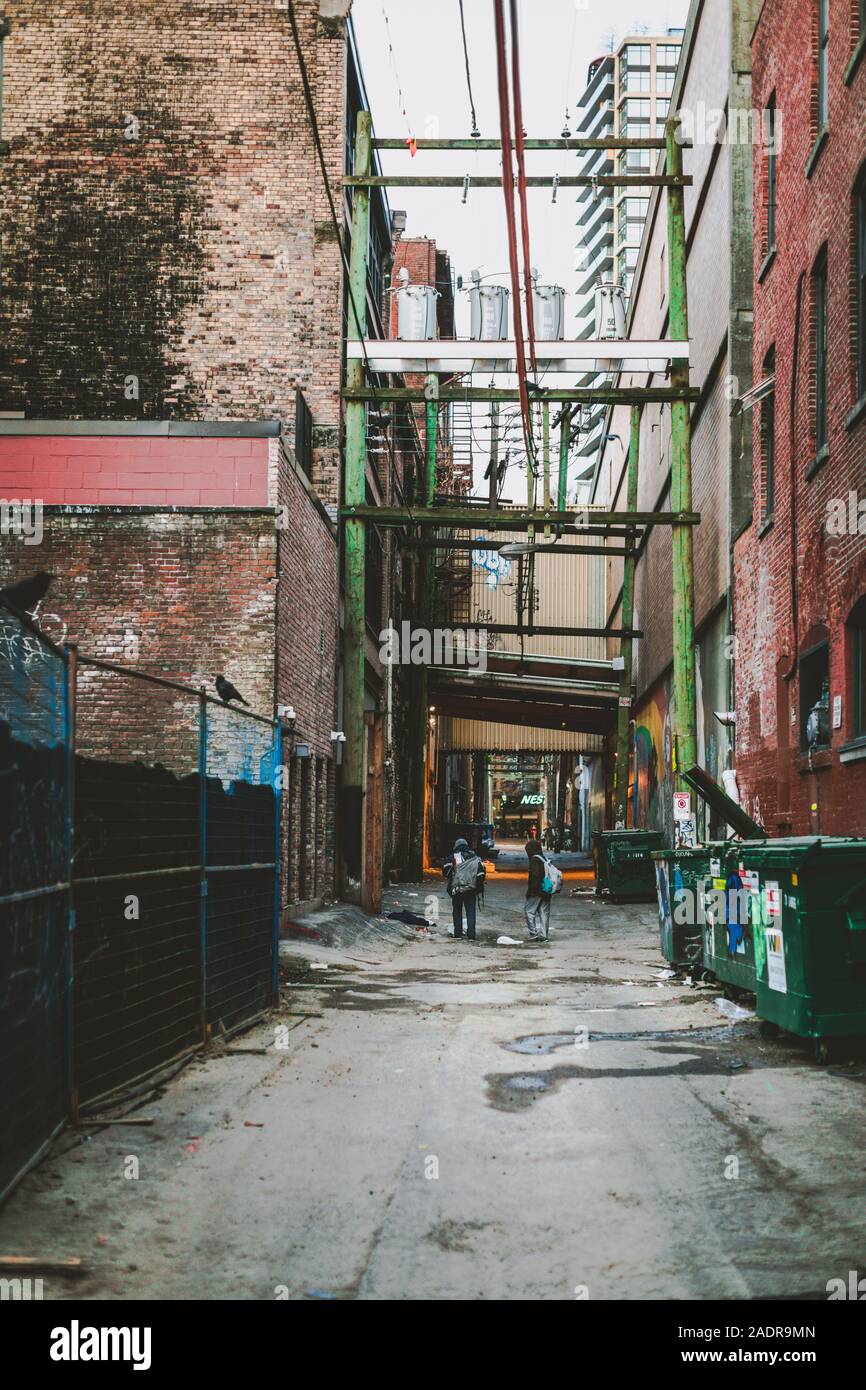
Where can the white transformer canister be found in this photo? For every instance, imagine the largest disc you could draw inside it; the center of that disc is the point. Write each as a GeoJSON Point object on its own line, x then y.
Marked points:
{"type": "Point", "coordinates": [609, 311]}
{"type": "Point", "coordinates": [488, 313]}
{"type": "Point", "coordinates": [416, 313]}
{"type": "Point", "coordinates": [548, 312]}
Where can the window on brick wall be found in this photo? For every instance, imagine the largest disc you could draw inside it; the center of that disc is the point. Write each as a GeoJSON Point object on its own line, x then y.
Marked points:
{"type": "Point", "coordinates": [303, 434]}
{"type": "Point", "coordinates": [823, 62]}
{"type": "Point", "coordinates": [771, 174]}
{"type": "Point", "coordinates": [860, 280]}
{"type": "Point", "coordinates": [819, 349]}
{"type": "Point", "coordinates": [768, 442]}
{"type": "Point", "coordinates": [857, 646]}
{"type": "Point", "coordinates": [815, 698]}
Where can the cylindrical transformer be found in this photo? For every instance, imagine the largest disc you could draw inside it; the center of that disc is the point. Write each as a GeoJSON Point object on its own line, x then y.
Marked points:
{"type": "Point", "coordinates": [416, 313]}
{"type": "Point", "coordinates": [548, 311]}
{"type": "Point", "coordinates": [609, 311]}
{"type": "Point", "coordinates": [488, 312]}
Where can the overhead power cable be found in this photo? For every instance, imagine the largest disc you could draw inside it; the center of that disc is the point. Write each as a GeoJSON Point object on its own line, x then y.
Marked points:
{"type": "Point", "coordinates": [475, 133]}
{"type": "Point", "coordinates": [410, 141]}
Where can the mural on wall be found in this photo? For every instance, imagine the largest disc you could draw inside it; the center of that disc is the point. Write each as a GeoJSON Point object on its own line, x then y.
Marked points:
{"type": "Point", "coordinates": [595, 799]}
{"type": "Point", "coordinates": [652, 772]}
{"type": "Point", "coordinates": [652, 786]}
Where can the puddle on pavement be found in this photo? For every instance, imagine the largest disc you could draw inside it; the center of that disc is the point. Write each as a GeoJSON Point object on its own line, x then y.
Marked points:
{"type": "Point", "coordinates": [520, 1090]}
{"type": "Point", "coordinates": [542, 1044]}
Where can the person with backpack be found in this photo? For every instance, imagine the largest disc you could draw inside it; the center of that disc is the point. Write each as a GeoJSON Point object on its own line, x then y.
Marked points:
{"type": "Point", "coordinates": [466, 875]}
{"type": "Point", "coordinates": [544, 880]}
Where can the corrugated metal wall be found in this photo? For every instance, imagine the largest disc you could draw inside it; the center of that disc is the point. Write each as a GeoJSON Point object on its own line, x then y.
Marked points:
{"type": "Point", "coordinates": [466, 735]}
{"type": "Point", "coordinates": [570, 592]}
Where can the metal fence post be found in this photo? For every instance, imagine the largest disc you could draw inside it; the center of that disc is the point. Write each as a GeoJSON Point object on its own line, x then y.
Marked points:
{"type": "Point", "coordinates": [202, 851]}
{"type": "Point", "coordinates": [277, 781]}
{"type": "Point", "coordinates": [70, 689]}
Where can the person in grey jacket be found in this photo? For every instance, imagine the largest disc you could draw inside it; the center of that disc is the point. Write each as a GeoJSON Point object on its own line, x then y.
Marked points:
{"type": "Point", "coordinates": [537, 906]}
{"type": "Point", "coordinates": [463, 852]}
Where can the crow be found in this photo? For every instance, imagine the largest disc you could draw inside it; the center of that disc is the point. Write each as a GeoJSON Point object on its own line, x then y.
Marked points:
{"type": "Point", "coordinates": [227, 692]}
{"type": "Point", "coordinates": [27, 593]}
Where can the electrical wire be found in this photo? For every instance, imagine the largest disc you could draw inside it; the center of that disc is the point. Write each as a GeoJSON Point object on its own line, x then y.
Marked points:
{"type": "Point", "coordinates": [475, 133]}
{"type": "Point", "coordinates": [400, 97]}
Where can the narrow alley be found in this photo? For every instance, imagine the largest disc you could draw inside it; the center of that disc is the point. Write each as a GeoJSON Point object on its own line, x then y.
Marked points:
{"type": "Point", "coordinates": [464, 1120]}
{"type": "Point", "coordinates": [432, 675]}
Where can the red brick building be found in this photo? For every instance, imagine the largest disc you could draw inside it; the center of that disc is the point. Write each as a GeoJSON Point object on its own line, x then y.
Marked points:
{"type": "Point", "coordinates": [800, 567]}
{"type": "Point", "coordinates": [171, 340]}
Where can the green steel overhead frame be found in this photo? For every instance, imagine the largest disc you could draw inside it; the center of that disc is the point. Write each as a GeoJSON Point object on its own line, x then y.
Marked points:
{"type": "Point", "coordinates": [356, 514]}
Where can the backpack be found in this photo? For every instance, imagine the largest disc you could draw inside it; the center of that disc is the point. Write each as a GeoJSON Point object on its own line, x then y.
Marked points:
{"type": "Point", "coordinates": [464, 879]}
{"type": "Point", "coordinates": [553, 879]}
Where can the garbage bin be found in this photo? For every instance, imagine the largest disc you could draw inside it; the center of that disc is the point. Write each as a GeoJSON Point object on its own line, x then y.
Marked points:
{"type": "Point", "coordinates": [681, 883]}
{"type": "Point", "coordinates": [808, 906]}
{"type": "Point", "coordinates": [728, 939]}
{"type": "Point", "coordinates": [623, 863]}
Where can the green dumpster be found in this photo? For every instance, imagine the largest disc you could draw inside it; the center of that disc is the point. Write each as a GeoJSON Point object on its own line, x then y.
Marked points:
{"type": "Point", "coordinates": [808, 907]}
{"type": "Point", "coordinates": [682, 877]}
{"type": "Point", "coordinates": [623, 866]}
{"type": "Point", "coordinates": [728, 940]}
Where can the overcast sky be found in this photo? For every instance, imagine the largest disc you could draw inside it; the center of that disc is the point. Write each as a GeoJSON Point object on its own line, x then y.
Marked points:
{"type": "Point", "coordinates": [559, 38]}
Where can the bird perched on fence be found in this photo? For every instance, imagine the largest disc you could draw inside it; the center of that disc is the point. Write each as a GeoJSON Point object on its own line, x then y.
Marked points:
{"type": "Point", "coordinates": [227, 691]}
{"type": "Point", "coordinates": [27, 593]}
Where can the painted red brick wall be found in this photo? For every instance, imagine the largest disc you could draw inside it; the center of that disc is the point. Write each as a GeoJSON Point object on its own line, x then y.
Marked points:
{"type": "Point", "coordinates": [101, 470]}
{"type": "Point", "coordinates": [793, 578]}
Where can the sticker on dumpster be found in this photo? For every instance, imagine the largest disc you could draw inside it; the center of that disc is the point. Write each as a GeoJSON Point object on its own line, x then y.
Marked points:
{"type": "Point", "coordinates": [716, 868]}
{"type": "Point", "coordinates": [774, 899]}
{"type": "Point", "coordinates": [776, 978]}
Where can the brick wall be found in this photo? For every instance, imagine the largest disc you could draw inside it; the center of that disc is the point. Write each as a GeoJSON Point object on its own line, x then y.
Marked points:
{"type": "Point", "coordinates": [168, 248]}
{"type": "Point", "coordinates": [793, 579]}
{"type": "Point", "coordinates": [307, 656]}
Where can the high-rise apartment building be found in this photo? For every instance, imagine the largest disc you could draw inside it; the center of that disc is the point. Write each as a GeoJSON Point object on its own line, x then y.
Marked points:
{"type": "Point", "coordinates": [628, 93]}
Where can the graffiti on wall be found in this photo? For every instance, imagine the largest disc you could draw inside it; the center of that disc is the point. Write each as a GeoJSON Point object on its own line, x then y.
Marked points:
{"type": "Point", "coordinates": [652, 784]}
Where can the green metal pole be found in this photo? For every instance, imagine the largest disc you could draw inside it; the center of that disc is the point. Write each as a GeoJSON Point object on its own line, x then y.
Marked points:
{"type": "Point", "coordinates": [355, 487]}
{"type": "Point", "coordinates": [562, 489]}
{"type": "Point", "coordinates": [685, 712]}
{"type": "Point", "coordinates": [424, 618]}
{"type": "Point", "coordinates": [620, 776]}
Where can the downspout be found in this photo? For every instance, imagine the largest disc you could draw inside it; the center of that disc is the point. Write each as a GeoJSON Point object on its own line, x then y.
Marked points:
{"type": "Point", "coordinates": [795, 370]}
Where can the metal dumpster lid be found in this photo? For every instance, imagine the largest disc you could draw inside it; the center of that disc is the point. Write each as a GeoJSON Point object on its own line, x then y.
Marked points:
{"type": "Point", "coordinates": [723, 805]}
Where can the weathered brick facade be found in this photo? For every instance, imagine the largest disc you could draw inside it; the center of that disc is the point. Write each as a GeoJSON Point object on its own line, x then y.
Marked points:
{"type": "Point", "coordinates": [167, 243]}
{"type": "Point", "coordinates": [170, 259]}
{"type": "Point", "coordinates": [796, 583]}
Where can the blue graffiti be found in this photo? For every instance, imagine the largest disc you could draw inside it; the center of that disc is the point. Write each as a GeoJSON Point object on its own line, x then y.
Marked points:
{"type": "Point", "coordinates": [498, 567]}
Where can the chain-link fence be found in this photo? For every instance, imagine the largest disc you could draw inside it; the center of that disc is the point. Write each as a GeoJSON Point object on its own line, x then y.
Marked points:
{"type": "Point", "coordinates": [139, 879]}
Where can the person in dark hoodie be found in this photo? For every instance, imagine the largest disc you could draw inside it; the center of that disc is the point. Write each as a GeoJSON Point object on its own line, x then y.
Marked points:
{"type": "Point", "coordinates": [465, 873]}
{"type": "Point", "coordinates": [537, 906]}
